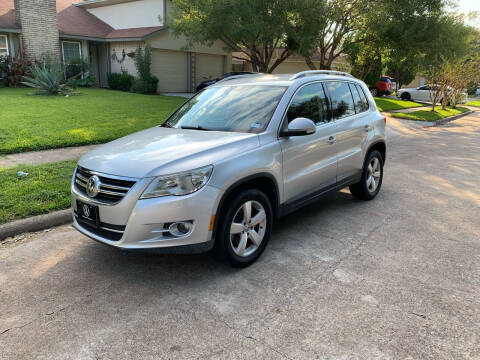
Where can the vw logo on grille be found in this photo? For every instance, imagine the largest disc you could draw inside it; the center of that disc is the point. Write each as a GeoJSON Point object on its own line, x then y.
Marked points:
{"type": "Point", "coordinates": [86, 211]}
{"type": "Point", "coordinates": [93, 186]}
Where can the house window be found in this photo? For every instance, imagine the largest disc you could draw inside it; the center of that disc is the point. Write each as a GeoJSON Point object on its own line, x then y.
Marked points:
{"type": "Point", "coordinates": [3, 45]}
{"type": "Point", "coordinates": [71, 50]}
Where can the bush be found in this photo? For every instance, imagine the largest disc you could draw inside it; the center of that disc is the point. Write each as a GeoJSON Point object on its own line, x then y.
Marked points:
{"type": "Point", "coordinates": [88, 81]}
{"type": "Point", "coordinates": [48, 79]}
{"type": "Point", "coordinates": [13, 70]}
{"type": "Point", "coordinates": [120, 81]}
{"type": "Point", "coordinates": [145, 86]}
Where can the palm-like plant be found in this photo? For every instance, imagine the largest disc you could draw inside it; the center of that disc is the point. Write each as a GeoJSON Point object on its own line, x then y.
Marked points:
{"type": "Point", "coordinates": [48, 79]}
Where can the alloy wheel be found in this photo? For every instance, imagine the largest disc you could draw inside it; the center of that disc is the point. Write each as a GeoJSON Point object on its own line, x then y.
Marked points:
{"type": "Point", "coordinates": [248, 228]}
{"type": "Point", "coordinates": [374, 174]}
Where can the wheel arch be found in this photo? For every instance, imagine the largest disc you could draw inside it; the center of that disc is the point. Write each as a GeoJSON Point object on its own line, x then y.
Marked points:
{"type": "Point", "coordinates": [264, 182]}
{"type": "Point", "coordinates": [381, 147]}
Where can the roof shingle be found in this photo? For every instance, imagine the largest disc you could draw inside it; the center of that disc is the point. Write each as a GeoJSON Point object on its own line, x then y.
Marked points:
{"type": "Point", "coordinates": [76, 21]}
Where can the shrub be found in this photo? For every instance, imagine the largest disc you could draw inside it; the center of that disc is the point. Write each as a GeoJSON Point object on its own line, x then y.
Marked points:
{"type": "Point", "coordinates": [13, 70]}
{"type": "Point", "coordinates": [48, 79]}
{"type": "Point", "coordinates": [145, 86]}
{"type": "Point", "coordinates": [77, 67]}
{"type": "Point", "coordinates": [87, 81]}
{"type": "Point", "coordinates": [120, 81]}
{"type": "Point", "coordinates": [143, 60]}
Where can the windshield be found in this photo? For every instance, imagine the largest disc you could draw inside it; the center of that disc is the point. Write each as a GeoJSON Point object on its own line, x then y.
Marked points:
{"type": "Point", "coordinates": [241, 108]}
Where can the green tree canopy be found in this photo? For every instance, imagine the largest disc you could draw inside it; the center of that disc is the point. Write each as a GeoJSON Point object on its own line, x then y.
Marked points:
{"type": "Point", "coordinates": [266, 31]}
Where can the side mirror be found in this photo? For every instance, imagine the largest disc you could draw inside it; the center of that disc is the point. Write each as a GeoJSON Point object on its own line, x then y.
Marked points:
{"type": "Point", "coordinates": [299, 127]}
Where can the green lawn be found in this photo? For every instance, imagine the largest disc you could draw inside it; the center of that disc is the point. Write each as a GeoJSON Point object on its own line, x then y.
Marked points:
{"type": "Point", "coordinates": [427, 115]}
{"type": "Point", "coordinates": [474, 103]}
{"type": "Point", "coordinates": [45, 189]}
{"type": "Point", "coordinates": [384, 104]}
{"type": "Point", "coordinates": [29, 122]}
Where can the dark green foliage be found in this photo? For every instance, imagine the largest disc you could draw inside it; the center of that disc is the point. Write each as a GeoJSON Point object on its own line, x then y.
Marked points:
{"type": "Point", "coordinates": [145, 86]}
{"type": "Point", "coordinates": [87, 81]}
{"type": "Point", "coordinates": [120, 81]}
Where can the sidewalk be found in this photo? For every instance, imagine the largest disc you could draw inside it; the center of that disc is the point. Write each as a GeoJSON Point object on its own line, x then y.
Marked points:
{"type": "Point", "coordinates": [45, 156]}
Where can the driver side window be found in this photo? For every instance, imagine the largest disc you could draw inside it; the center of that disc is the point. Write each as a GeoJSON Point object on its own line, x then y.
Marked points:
{"type": "Point", "coordinates": [309, 102]}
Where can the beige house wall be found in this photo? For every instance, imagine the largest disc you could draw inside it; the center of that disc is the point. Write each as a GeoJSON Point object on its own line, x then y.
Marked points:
{"type": "Point", "coordinates": [133, 14]}
{"type": "Point", "coordinates": [119, 62]}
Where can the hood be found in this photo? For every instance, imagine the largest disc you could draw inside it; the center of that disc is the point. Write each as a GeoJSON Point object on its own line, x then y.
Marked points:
{"type": "Point", "coordinates": [163, 151]}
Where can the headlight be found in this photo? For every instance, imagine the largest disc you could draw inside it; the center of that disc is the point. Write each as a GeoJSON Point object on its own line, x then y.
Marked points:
{"type": "Point", "coordinates": [178, 184]}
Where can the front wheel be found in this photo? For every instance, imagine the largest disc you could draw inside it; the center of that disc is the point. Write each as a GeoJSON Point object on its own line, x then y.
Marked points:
{"type": "Point", "coordinates": [372, 177]}
{"type": "Point", "coordinates": [374, 92]}
{"type": "Point", "coordinates": [405, 97]}
{"type": "Point", "coordinates": [244, 228]}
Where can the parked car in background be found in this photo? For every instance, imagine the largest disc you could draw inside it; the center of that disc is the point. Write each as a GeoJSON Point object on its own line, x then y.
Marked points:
{"type": "Point", "coordinates": [383, 87]}
{"type": "Point", "coordinates": [230, 160]}
{"type": "Point", "coordinates": [230, 75]}
{"type": "Point", "coordinates": [424, 93]}
{"type": "Point", "coordinates": [477, 92]}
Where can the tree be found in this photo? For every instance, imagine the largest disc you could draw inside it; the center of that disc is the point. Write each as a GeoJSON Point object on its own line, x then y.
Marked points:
{"type": "Point", "coordinates": [337, 20]}
{"type": "Point", "coordinates": [267, 32]}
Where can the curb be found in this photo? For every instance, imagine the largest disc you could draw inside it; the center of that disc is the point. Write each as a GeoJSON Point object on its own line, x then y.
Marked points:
{"type": "Point", "coordinates": [454, 117]}
{"type": "Point", "coordinates": [35, 223]}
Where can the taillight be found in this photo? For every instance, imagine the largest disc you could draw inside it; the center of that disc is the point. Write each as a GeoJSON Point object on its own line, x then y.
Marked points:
{"type": "Point", "coordinates": [385, 120]}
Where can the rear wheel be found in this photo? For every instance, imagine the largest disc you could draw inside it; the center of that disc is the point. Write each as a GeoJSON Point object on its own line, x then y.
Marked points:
{"type": "Point", "coordinates": [405, 97]}
{"type": "Point", "coordinates": [244, 229]}
{"type": "Point", "coordinates": [372, 177]}
{"type": "Point", "coordinates": [374, 92]}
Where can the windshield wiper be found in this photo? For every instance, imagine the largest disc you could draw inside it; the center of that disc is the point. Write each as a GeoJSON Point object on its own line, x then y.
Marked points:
{"type": "Point", "coordinates": [198, 127]}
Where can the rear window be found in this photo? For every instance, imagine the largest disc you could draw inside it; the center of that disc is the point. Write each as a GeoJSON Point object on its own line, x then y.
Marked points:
{"type": "Point", "coordinates": [361, 102]}
{"type": "Point", "coordinates": [341, 99]}
{"type": "Point", "coordinates": [385, 79]}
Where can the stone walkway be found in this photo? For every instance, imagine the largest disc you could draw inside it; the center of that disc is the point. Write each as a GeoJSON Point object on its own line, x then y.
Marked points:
{"type": "Point", "coordinates": [46, 156]}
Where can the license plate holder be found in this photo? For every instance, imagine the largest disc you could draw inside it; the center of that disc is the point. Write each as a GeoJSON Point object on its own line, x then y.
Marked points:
{"type": "Point", "coordinates": [88, 213]}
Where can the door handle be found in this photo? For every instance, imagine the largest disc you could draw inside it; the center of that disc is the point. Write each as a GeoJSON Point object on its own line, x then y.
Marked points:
{"type": "Point", "coordinates": [332, 139]}
{"type": "Point", "coordinates": [368, 128]}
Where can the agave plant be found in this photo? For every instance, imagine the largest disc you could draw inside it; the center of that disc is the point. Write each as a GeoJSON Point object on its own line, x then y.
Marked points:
{"type": "Point", "coordinates": [48, 79]}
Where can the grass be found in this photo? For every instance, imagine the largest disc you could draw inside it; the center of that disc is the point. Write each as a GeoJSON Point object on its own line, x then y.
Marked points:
{"type": "Point", "coordinates": [427, 115]}
{"type": "Point", "coordinates": [384, 104]}
{"type": "Point", "coordinates": [45, 189]}
{"type": "Point", "coordinates": [94, 116]}
{"type": "Point", "coordinates": [474, 103]}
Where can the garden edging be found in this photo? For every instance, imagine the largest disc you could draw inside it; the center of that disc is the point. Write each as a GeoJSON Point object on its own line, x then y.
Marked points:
{"type": "Point", "coordinates": [454, 117]}
{"type": "Point", "coordinates": [35, 223]}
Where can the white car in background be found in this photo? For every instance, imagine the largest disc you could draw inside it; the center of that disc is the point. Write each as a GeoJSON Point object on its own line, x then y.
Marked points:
{"type": "Point", "coordinates": [423, 93]}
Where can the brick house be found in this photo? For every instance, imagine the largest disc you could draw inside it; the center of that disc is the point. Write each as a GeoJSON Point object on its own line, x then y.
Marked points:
{"type": "Point", "coordinates": [105, 31]}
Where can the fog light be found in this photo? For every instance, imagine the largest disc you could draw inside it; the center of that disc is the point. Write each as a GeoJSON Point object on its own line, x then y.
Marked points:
{"type": "Point", "coordinates": [180, 228]}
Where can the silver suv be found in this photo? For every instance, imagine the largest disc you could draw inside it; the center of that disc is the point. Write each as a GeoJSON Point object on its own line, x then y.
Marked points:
{"type": "Point", "coordinates": [229, 161]}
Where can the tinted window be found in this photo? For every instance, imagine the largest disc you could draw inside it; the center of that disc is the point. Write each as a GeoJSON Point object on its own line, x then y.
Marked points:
{"type": "Point", "coordinates": [309, 102]}
{"type": "Point", "coordinates": [425, 87]}
{"type": "Point", "coordinates": [241, 108]}
{"type": "Point", "coordinates": [341, 99]}
{"type": "Point", "coordinates": [384, 79]}
{"type": "Point", "coordinates": [361, 103]}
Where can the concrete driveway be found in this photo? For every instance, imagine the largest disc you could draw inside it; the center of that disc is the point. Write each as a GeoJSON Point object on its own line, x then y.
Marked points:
{"type": "Point", "coordinates": [395, 278]}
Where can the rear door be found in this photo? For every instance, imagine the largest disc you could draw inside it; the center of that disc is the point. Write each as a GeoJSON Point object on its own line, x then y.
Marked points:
{"type": "Point", "coordinates": [309, 162]}
{"type": "Point", "coordinates": [349, 109]}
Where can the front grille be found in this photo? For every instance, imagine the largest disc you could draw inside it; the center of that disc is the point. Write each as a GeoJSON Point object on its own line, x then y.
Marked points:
{"type": "Point", "coordinates": [112, 188]}
{"type": "Point", "coordinates": [107, 231]}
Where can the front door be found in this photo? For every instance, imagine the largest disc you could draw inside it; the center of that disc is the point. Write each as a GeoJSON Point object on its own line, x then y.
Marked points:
{"type": "Point", "coordinates": [93, 51]}
{"type": "Point", "coordinates": [310, 161]}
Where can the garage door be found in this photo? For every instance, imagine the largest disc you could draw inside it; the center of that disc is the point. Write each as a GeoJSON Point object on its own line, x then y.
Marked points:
{"type": "Point", "coordinates": [208, 67]}
{"type": "Point", "coordinates": [291, 67]}
{"type": "Point", "coordinates": [171, 69]}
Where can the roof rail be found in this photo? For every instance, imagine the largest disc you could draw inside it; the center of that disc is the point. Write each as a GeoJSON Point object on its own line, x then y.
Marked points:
{"type": "Point", "coordinates": [319, 72]}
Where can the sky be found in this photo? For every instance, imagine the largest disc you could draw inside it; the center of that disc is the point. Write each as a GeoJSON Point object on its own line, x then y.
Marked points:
{"type": "Point", "coordinates": [470, 5]}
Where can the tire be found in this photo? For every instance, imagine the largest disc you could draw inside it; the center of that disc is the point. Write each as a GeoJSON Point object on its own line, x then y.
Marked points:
{"type": "Point", "coordinates": [232, 232]}
{"type": "Point", "coordinates": [405, 97]}
{"type": "Point", "coordinates": [374, 92]}
{"type": "Point", "coordinates": [369, 185]}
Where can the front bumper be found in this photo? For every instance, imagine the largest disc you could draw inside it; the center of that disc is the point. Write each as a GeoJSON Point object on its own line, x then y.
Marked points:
{"type": "Point", "coordinates": [142, 224]}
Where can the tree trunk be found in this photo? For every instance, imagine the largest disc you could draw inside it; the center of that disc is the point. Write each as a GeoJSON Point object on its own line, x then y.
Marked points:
{"type": "Point", "coordinates": [310, 64]}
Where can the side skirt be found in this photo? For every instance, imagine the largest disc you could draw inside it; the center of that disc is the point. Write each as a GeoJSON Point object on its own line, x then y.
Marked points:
{"type": "Point", "coordinates": [311, 197]}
